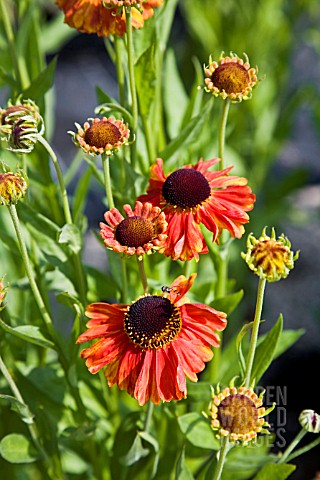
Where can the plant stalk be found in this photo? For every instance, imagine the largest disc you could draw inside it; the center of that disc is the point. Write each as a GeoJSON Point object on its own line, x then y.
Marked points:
{"type": "Point", "coordinates": [255, 331]}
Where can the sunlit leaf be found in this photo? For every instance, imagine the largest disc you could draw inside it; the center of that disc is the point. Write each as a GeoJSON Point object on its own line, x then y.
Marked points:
{"type": "Point", "coordinates": [16, 448]}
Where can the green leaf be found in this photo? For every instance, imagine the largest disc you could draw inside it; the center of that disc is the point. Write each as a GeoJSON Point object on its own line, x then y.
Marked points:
{"type": "Point", "coordinates": [164, 22]}
{"type": "Point", "coordinates": [228, 303]}
{"type": "Point", "coordinates": [175, 97]}
{"type": "Point", "coordinates": [8, 79]}
{"type": "Point", "coordinates": [21, 408]}
{"type": "Point", "coordinates": [198, 431]}
{"type": "Point", "coordinates": [70, 235]}
{"type": "Point", "coordinates": [196, 95]}
{"type": "Point", "coordinates": [275, 471]}
{"type": "Point", "coordinates": [43, 230]}
{"type": "Point", "coordinates": [136, 452]}
{"type": "Point", "coordinates": [29, 333]}
{"type": "Point", "coordinates": [182, 470]}
{"type": "Point", "coordinates": [266, 350]}
{"type": "Point", "coordinates": [187, 135]}
{"type": "Point", "coordinates": [199, 391]}
{"type": "Point", "coordinates": [42, 83]}
{"type": "Point", "coordinates": [287, 339]}
{"type": "Point", "coordinates": [103, 97]}
{"type": "Point", "coordinates": [16, 448]}
{"type": "Point", "coordinates": [70, 300]}
{"type": "Point", "coordinates": [145, 75]}
{"type": "Point", "coordinates": [240, 336]}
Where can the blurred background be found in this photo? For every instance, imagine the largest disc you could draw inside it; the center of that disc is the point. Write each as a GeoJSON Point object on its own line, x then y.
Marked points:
{"type": "Point", "coordinates": [274, 140]}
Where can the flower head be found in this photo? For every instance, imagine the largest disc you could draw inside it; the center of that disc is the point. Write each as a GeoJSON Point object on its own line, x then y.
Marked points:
{"type": "Point", "coordinates": [13, 187]}
{"type": "Point", "coordinates": [310, 421]}
{"type": "Point", "coordinates": [270, 257]}
{"type": "Point", "coordinates": [105, 17]}
{"type": "Point", "coordinates": [103, 135]}
{"type": "Point", "coordinates": [192, 195]}
{"type": "Point", "coordinates": [238, 413]}
{"type": "Point", "coordinates": [152, 345]}
{"type": "Point", "coordinates": [231, 77]}
{"type": "Point", "coordinates": [20, 125]}
{"type": "Point", "coordinates": [142, 231]}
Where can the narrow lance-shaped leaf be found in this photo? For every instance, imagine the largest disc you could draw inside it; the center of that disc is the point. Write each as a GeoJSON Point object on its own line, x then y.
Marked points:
{"type": "Point", "coordinates": [266, 350]}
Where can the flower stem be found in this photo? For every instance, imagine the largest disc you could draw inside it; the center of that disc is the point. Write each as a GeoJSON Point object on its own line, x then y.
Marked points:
{"type": "Point", "coordinates": [119, 68]}
{"type": "Point", "coordinates": [142, 274]}
{"type": "Point", "coordinates": [302, 450]}
{"type": "Point", "coordinates": [292, 445]}
{"type": "Point", "coordinates": [68, 218]}
{"type": "Point", "coordinates": [147, 422]}
{"type": "Point", "coordinates": [63, 190]}
{"type": "Point", "coordinates": [22, 80]}
{"type": "Point", "coordinates": [222, 132]}
{"type": "Point", "coordinates": [149, 139]}
{"type": "Point", "coordinates": [41, 305]}
{"type": "Point", "coordinates": [255, 331]}
{"type": "Point", "coordinates": [33, 284]}
{"type": "Point", "coordinates": [124, 292]}
{"type": "Point", "coordinates": [134, 100]}
{"type": "Point", "coordinates": [222, 456]}
{"type": "Point", "coordinates": [107, 179]}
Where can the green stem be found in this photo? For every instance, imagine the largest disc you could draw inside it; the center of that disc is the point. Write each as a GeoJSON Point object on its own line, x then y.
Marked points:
{"type": "Point", "coordinates": [142, 273]}
{"type": "Point", "coordinates": [124, 292]}
{"type": "Point", "coordinates": [292, 445]}
{"type": "Point", "coordinates": [149, 137]}
{"type": "Point", "coordinates": [119, 68]}
{"type": "Point", "coordinates": [30, 421]}
{"type": "Point", "coordinates": [222, 132]}
{"type": "Point", "coordinates": [221, 265]}
{"type": "Point", "coordinates": [222, 456]}
{"type": "Point", "coordinates": [22, 83]}
{"type": "Point", "coordinates": [33, 284]}
{"type": "Point", "coordinates": [63, 190]}
{"type": "Point", "coordinates": [147, 422]}
{"type": "Point", "coordinates": [107, 180]}
{"type": "Point", "coordinates": [41, 305]}
{"type": "Point", "coordinates": [303, 450]}
{"type": "Point", "coordinates": [134, 100]}
{"type": "Point", "coordinates": [68, 219]}
{"type": "Point", "coordinates": [106, 393]}
{"type": "Point", "coordinates": [255, 331]}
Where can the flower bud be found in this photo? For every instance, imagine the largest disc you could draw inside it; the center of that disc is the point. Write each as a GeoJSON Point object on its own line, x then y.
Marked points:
{"type": "Point", "coordinates": [13, 187]}
{"type": "Point", "coordinates": [20, 125]}
{"type": "Point", "coordinates": [310, 421]}
{"type": "Point", "coordinates": [270, 257]}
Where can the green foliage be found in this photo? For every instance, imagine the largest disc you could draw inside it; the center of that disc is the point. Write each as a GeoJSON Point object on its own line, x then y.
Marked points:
{"type": "Point", "coordinates": [57, 420]}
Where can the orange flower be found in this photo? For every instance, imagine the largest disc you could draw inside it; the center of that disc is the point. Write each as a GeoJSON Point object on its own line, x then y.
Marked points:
{"type": "Point", "coordinates": [193, 195]}
{"type": "Point", "coordinates": [152, 345]}
{"type": "Point", "coordinates": [90, 16]}
{"type": "Point", "coordinates": [102, 136]}
{"type": "Point", "coordinates": [142, 231]}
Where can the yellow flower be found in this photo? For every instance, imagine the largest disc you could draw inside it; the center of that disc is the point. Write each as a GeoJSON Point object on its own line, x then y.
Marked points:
{"type": "Point", "coordinates": [270, 257]}
{"type": "Point", "coordinates": [231, 78]}
{"type": "Point", "coordinates": [13, 186]}
{"type": "Point", "coordinates": [238, 413]}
